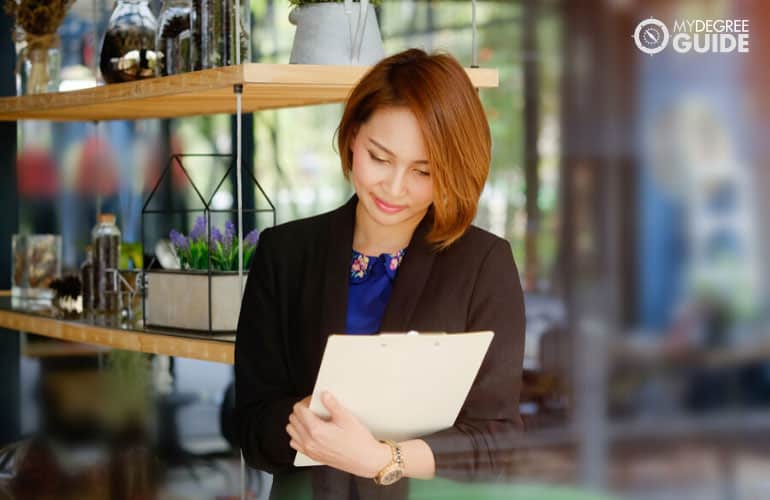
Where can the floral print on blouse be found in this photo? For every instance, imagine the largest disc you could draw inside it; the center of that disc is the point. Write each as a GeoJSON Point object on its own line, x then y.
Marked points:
{"type": "Point", "coordinates": [362, 265]}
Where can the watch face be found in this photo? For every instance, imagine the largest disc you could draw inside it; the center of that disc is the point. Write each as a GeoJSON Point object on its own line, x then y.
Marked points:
{"type": "Point", "coordinates": [392, 476]}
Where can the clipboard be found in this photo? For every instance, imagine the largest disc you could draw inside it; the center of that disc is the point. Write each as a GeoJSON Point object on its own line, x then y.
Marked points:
{"type": "Point", "coordinates": [400, 385]}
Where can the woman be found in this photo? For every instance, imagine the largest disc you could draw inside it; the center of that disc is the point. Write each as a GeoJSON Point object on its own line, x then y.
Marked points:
{"type": "Point", "coordinates": [415, 144]}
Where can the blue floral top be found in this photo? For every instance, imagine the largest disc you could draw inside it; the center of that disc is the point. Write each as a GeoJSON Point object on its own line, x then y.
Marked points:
{"type": "Point", "coordinates": [371, 280]}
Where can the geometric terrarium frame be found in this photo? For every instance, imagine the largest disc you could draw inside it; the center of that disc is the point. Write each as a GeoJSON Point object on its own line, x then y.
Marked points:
{"type": "Point", "coordinates": [205, 300]}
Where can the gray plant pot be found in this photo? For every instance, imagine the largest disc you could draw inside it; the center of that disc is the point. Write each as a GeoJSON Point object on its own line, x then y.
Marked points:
{"type": "Point", "coordinates": [180, 299]}
{"type": "Point", "coordinates": [326, 34]}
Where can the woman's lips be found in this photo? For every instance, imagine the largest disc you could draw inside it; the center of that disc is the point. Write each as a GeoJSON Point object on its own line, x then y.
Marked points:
{"type": "Point", "coordinates": [387, 208]}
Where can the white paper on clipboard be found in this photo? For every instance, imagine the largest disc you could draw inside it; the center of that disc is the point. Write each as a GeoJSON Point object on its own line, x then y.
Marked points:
{"type": "Point", "coordinates": [400, 386]}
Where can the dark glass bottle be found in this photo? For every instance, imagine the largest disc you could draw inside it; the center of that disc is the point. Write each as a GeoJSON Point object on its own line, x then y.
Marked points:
{"type": "Point", "coordinates": [88, 281]}
{"type": "Point", "coordinates": [106, 241]}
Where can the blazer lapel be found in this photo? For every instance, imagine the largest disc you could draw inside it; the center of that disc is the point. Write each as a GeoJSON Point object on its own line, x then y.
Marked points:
{"type": "Point", "coordinates": [411, 278]}
{"type": "Point", "coordinates": [334, 302]}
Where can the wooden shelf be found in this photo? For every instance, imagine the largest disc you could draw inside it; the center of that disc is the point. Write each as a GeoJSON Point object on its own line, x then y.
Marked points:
{"type": "Point", "coordinates": [265, 86]}
{"type": "Point", "coordinates": [219, 349]}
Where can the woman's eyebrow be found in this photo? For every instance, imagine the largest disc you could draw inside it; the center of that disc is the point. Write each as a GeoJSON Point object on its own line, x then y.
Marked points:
{"type": "Point", "coordinates": [421, 162]}
{"type": "Point", "coordinates": [381, 147]}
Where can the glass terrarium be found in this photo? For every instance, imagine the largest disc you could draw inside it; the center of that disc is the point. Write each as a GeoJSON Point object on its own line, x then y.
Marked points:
{"type": "Point", "coordinates": [192, 281]}
{"type": "Point", "coordinates": [36, 263]}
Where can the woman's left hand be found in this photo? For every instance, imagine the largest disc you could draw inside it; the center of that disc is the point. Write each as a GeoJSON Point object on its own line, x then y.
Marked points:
{"type": "Point", "coordinates": [342, 441]}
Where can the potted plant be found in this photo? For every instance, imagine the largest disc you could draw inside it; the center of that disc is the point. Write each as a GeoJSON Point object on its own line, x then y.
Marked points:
{"type": "Point", "coordinates": [204, 293]}
{"type": "Point", "coordinates": [339, 32]}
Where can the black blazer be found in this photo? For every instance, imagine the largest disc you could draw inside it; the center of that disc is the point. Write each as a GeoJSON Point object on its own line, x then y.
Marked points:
{"type": "Point", "coordinates": [296, 295]}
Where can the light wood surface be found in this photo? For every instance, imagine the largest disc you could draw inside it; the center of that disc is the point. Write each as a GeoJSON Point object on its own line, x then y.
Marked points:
{"type": "Point", "coordinates": [131, 340]}
{"type": "Point", "coordinates": [63, 349]}
{"type": "Point", "coordinates": [265, 86]}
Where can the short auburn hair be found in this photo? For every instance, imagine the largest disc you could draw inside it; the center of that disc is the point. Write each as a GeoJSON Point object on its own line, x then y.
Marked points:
{"type": "Point", "coordinates": [454, 126]}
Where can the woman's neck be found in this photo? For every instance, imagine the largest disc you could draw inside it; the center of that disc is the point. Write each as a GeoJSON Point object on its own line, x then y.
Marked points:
{"type": "Point", "coordinates": [371, 238]}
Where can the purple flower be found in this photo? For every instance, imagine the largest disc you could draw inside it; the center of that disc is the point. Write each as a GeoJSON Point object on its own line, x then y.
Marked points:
{"type": "Point", "coordinates": [199, 230]}
{"type": "Point", "coordinates": [229, 234]}
{"type": "Point", "coordinates": [252, 238]}
{"type": "Point", "coordinates": [216, 235]}
{"type": "Point", "coordinates": [179, 240]}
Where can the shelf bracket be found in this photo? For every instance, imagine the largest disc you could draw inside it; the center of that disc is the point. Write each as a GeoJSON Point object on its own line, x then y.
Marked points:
{"type": "Point", "coordinates": [238, 91]}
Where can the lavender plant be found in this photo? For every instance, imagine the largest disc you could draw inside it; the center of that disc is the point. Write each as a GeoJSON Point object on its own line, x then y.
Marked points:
{"type": "Point", "coordinates": [194, 250]}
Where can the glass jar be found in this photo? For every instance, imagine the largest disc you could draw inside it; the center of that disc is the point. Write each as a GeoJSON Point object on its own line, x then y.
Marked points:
{"type": "Point", "coordinates": [214, 32]}
{"type": "Point", "coordinates": [36, 263]}
{"type": "Point", "coordinates": [174, 37]}
{"type": "Point", "coordinates": [106, 243]}
{"type": "Point", "coordinates": [128, 48]}
{"type": "Point", "coordinates": [87, 280]}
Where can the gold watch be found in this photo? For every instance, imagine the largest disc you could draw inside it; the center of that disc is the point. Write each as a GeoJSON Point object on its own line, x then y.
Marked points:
{"type": "Point", "coordinates": [395, 469]}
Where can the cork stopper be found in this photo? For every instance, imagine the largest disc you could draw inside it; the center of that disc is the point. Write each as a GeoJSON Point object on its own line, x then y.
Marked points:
{"type": "Point", "coordinates": [106, 218]}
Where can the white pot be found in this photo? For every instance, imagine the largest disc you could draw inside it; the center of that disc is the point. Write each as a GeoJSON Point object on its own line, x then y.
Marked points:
{"type": "Point", "coordinates": [330, 33]}
{"type": "Point", "coordinates": [180, 299]}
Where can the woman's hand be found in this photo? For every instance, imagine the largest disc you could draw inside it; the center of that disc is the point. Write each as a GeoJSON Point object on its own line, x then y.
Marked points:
{"type": "Point", "coordinates": [342, 441]}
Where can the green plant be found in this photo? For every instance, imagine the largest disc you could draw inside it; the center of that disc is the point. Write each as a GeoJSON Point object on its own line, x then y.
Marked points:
{"type": "Point", "coordinates": [305, 2]}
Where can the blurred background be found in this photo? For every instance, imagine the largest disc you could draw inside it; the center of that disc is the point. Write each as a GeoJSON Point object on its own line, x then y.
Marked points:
{"type": "Point", "coordinates": [629, 186]}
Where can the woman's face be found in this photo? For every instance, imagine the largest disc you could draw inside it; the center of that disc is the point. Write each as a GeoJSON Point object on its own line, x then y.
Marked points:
{"type": "Point", "coordinates": [390, 171]}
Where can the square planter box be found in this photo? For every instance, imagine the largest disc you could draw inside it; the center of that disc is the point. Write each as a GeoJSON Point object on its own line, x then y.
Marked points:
{"type": "Point", "coordinates": [180, 299]}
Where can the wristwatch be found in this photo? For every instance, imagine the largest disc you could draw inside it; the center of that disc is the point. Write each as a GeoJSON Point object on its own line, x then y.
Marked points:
{"type": "Point", "coordinates": [395, 469]}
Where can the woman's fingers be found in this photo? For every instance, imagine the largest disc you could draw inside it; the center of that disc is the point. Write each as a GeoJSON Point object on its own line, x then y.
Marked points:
{"type": "Point", "coordinates": [293, 434]}
{"type": "Point", "coordinates": [301, 432]}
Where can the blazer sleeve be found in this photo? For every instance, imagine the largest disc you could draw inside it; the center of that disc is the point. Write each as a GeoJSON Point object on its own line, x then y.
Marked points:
{"type": "Point", "coordinates": [264, 398]}
{"type": "Point", "coordinates": [480, 444]}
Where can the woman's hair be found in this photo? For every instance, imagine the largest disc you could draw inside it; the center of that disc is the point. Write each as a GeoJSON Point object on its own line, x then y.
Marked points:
{"type": "Point", "coordinates": [454, 127]}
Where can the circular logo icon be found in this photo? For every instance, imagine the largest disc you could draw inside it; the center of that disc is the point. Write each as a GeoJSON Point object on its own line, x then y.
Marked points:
{"type": "Point", "coordinates": [651, 36]}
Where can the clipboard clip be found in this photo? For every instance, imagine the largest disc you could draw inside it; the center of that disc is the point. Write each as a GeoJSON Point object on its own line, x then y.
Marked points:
{"type": "Point", "coordinates": [411, 333]}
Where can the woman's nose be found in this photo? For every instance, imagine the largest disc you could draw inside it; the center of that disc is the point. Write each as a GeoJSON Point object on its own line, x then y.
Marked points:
{"type": "Point", "coordinates": [396, 183]}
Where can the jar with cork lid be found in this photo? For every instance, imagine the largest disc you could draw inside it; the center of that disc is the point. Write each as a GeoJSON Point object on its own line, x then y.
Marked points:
{"type": "Point", "coordinates": [106, 259]}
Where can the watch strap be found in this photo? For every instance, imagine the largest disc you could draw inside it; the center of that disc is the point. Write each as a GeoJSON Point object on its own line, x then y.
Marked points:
{"type": "Point", "coordinates": [396, 460]}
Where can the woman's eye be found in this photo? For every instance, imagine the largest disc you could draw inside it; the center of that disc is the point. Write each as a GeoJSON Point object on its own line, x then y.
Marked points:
{"type": "Point", "coordinates": [376, 158]}
{"type": "Point", "coordinates": [423, 173]}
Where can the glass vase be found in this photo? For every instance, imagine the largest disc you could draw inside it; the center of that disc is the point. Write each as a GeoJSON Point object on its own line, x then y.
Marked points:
{"type": "Point", "coordinates": [214, 32]}
{"type": "Point", "coordinates": [173, 41]}
{"type": "Point", "coordinates": [40, 70]}
{"type": "Point", "coordinates": [128, 48]}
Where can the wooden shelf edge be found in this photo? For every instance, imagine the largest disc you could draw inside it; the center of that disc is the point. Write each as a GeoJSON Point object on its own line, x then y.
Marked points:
{"type": "Point", "coordinates": [326, 75]}
{"type": "Point", "coordinates": [266, 86]}
{"type": "Point", "coordinates": [154, 343]}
